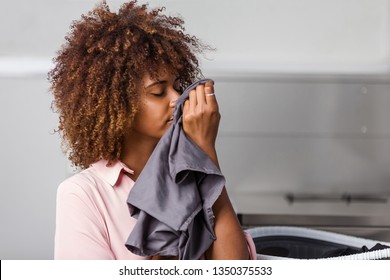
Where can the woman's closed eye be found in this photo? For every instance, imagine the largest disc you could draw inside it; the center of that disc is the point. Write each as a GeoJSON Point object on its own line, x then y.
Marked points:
{"type": "Point", "coordinates": [158, 94]}
{"type": "Point", "coordinates": [160, 88]}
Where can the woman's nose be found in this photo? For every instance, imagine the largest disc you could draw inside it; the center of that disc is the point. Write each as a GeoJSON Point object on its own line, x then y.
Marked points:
{"type": "Point", "coordinates": [174, 96]}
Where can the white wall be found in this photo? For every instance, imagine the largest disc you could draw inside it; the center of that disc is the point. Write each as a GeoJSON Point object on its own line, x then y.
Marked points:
{"type": "Point", "coordinates": [31, 167]}
{"type": "Point", "coordinates": [279, 35]}
{"type": "Point", "coordinates": [260, 44]}
{"type": "Point", "coordinates": [299, 35]}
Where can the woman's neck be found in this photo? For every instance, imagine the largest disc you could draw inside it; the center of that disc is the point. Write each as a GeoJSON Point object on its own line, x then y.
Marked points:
{"type": "Point", "coordinates": [136, 152]}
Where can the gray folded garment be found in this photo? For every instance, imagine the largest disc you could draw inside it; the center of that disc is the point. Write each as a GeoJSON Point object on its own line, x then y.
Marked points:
{"type": "Point", "coordinates": [173, 196]}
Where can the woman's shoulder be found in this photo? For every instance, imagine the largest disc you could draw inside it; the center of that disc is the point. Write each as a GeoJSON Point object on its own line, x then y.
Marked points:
{"type": "Point", "coordinates": [99, 178]}
{"type": "Point", "coordinates": [85, 181]}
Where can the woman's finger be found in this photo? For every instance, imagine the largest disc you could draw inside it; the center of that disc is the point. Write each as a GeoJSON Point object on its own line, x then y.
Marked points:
{"type": "Point", "coordinates": [200, 96]}
{"type": "Point", "coordinates": [209, 87]}
{"type": "Point", "coordinates": [209, 92]}
{"type": "Point", "coordinates": [192, 100]}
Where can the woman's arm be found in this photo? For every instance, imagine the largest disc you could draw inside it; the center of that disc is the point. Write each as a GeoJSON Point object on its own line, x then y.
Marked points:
{"type": "Point", "coordinates": [231, 242]}
{"type": "Point", "coordinates": [200, 122]}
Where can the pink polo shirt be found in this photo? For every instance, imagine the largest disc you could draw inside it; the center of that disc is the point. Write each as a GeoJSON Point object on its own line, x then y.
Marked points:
{"type": "Point", "coordinates": [92, 218]}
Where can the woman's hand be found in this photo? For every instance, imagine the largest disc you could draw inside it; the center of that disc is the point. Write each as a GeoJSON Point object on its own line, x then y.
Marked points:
{"type": "Point", "coordinates": [200, 122]}
{"type": "Point", "coordinates": [201, 118]}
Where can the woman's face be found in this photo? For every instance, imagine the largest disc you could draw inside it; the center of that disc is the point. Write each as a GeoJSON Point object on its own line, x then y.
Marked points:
{"type": "Point", "coordinates": [157, 102]}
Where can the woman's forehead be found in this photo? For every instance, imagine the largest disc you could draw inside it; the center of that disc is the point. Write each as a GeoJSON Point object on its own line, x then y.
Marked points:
{"type": "Point", "coordinates": [160, 75]}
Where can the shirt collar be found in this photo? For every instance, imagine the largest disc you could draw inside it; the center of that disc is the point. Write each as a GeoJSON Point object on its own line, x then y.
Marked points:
{"type": "Point", "coordinates": [111, 172]}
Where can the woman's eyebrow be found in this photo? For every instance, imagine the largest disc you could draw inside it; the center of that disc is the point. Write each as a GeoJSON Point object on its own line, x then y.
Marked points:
{"type": "Point", "coordinates": [155, 83]}
{"type": "Point", "coordinates": [160, 82]}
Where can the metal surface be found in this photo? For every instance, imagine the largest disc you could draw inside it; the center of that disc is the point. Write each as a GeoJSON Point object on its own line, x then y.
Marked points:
{"type": "Point", "coordinates": [315, 220]}
{"type": "Point", "coordinates": [359, 215]}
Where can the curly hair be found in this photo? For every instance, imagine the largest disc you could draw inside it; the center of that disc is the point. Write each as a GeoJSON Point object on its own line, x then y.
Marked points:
{"type": "Point", "coordinates": [96, 71]}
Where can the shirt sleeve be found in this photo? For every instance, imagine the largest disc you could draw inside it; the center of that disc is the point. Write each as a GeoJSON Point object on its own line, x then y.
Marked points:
{"type": "Point", "coordinates": [80, 229]}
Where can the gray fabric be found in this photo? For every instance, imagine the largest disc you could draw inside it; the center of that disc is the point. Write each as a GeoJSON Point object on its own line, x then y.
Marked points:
{"type": "Point", "coordinates": [173, 196]}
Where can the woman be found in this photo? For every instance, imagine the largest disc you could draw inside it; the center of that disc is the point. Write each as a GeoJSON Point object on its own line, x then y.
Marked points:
{"type": "Point", "coordinates": [115, 84]}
